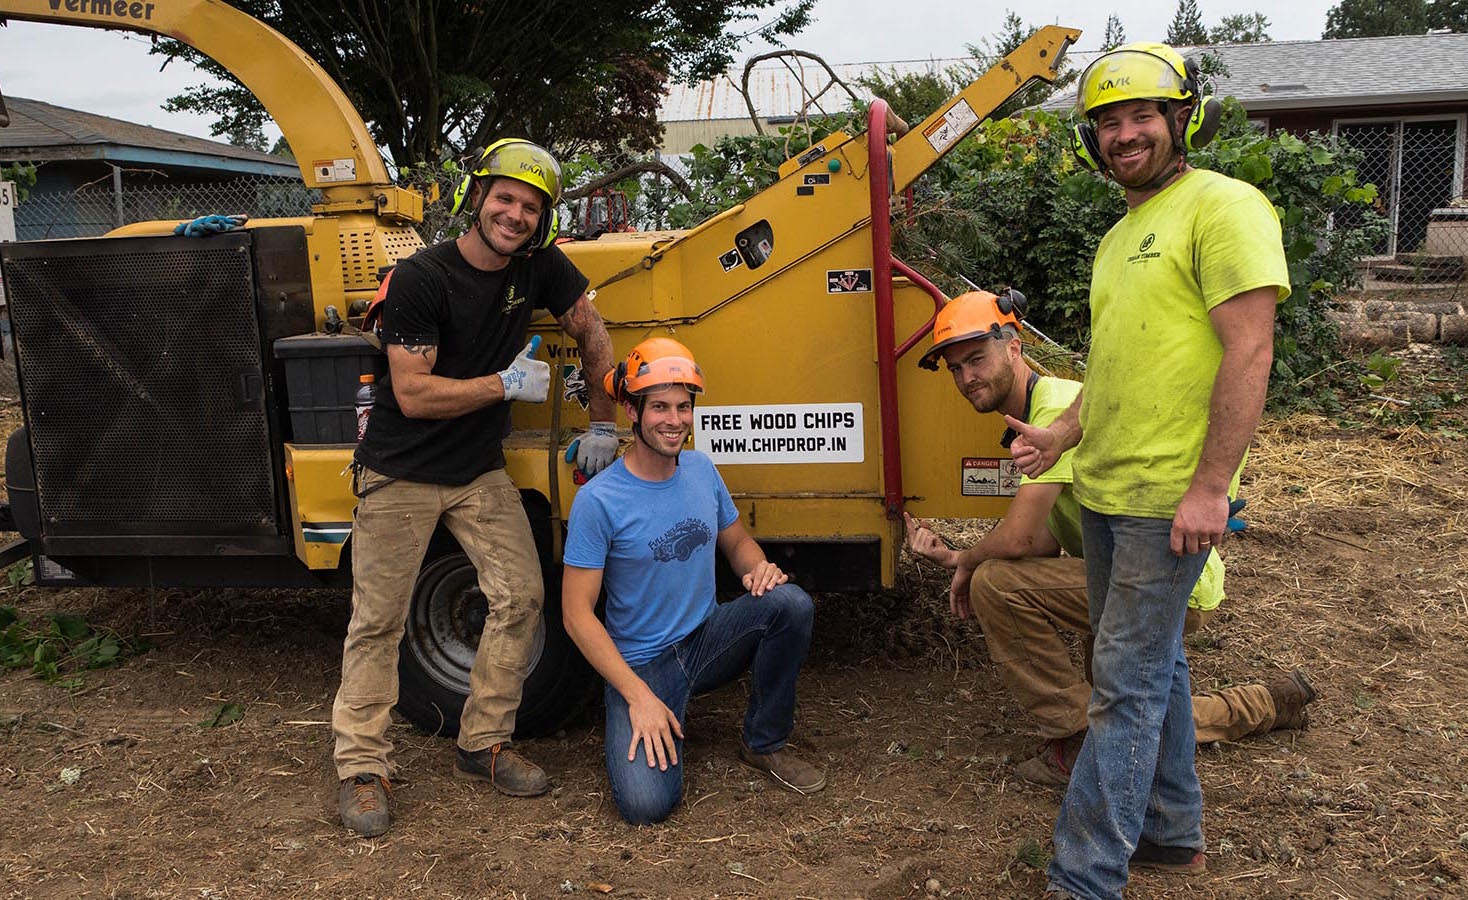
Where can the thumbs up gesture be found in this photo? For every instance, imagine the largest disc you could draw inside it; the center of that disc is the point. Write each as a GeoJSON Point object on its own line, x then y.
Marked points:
{"type": "Point", "coordinates": [527, 378]}
{"type": "Point", "coordinates": [1034, 450]}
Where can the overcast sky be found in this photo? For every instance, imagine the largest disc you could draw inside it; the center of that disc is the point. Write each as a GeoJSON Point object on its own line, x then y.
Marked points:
{"type": "Point", "coordinates": [111, 73]}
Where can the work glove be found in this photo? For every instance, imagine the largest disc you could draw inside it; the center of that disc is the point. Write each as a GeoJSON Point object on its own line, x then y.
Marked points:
{"type": "Point", "coordinates": [207, 225]}
{"type": "Point", "coordinates": [527, 378]}
{"type": "Point", "coordinates": [594, 450]}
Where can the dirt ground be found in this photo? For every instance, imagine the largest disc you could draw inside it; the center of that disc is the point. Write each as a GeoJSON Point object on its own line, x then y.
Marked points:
{"type": "Point", "coordinates": [1352, 567]}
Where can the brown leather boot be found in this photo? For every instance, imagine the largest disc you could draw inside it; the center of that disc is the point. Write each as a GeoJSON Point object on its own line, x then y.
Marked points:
{"type": "Point", "coordinates": [788, 770]}
{"type": "Point", "coordinates": [507, 770]}
{"type": "Point", "coordinates": [1291, 694]}
{"type": "Point", "coordinates": [362, 801]}
{"type": "Point", "coordinates": [1053, 761]}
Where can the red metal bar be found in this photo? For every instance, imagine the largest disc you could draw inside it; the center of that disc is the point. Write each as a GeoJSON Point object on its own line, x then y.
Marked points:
{"type": "Point", "coordinates": [879, 176]}
{"type": "Point", "coordinates": [938, 300]}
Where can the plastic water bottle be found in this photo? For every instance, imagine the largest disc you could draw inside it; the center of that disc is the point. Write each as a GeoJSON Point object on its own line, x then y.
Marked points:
{"type": "Point", "coordinates": [366, 396]}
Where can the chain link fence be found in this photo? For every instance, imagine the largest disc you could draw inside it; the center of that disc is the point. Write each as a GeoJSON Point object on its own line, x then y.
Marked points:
{"type": "Point", "coordinates": [1416, 165]}
{"type": "Point", "coordinates": [96, 208]}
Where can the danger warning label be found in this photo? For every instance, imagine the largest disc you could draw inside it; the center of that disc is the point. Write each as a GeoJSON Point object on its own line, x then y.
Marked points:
{"type": "Point", "coordinates": [780, 433]}
{"type": "Point", "coordinates": [989, 477]}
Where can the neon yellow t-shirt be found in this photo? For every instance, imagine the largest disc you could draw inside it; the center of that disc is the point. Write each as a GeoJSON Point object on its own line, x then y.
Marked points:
{"type": "Point", "coordinates": [1050, 398]}
{"type": "Point", "coordinates": [1154, 354]}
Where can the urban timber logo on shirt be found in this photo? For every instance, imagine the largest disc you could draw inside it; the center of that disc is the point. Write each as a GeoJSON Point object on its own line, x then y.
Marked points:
{"type": "Point", "coordinates": [680, 541]}
{"type": "Point", "coordinates": [1143, 251]}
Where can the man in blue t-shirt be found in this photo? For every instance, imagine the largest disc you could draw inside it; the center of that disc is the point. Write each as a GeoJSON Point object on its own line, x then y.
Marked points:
{"type": "Point", "coordinates": [646, 530]}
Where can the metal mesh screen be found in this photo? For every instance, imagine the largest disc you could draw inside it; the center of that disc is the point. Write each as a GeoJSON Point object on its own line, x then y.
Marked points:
{"type": "Point", "coordinates": [94, 209]}
{"type": "Point", "coordinates": [141, 365]}
{"type": "Point", "coordinates": [1416, 166]}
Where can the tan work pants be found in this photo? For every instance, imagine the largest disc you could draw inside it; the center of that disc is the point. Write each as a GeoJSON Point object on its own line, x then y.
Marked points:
{"type": "Point", "coordinates": [391, 529]}
{"type": "Point", "coordinates": [1024, 604]}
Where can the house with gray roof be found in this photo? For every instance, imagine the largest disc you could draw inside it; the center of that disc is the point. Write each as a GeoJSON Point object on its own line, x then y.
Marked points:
{"type": "Point", "coordinates": [95, 173]}
{"type": "Point", "coordinates": [1400, 100]}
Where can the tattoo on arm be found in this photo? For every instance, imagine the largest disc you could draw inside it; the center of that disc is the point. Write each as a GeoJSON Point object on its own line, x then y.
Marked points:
{"type": "Point", "coordinates": [422, 350]}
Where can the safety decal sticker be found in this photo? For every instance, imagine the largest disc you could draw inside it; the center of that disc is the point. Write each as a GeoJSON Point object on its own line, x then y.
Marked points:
{"type": "Point", "coordinates": [730, 260]}
{"type": "Point", "coordinates": [989, 477]}
{"type": "Point", "coordinates": [952, 126]}
{"type": "Point", "coordinates": [848, 281]}
{"type": "Point", "coordinates": [333, 170]}
{"type": "Point", "coordinates": [782, 433]}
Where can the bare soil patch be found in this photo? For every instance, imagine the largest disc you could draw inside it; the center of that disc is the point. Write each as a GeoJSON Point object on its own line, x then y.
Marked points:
{"type": "Point", "coordinates": [1353, 567]}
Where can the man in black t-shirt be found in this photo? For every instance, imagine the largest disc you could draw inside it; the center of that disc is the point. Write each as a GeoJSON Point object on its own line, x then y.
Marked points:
{"type": "Point", "coordinates": [454, 321]}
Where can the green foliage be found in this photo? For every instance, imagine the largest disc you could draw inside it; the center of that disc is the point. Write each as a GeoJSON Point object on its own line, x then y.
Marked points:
{"type": "Point", "coordinates": [436, 80]}
{"type": "Point", "coordinates": [1309, 180]}
{"type": "Point", "coordinates": [226, 714]}
{"type": "Point", "coordinates": [67, 646]}
{"type": "Point", "coordinates": [1011, 206]}
{"type": "Point", "coordinates": [1379, 370]}
{"type": "Point", "coordinates": [24, 176]}
{"type": "Point", "coordinates": [1244, 28]}
{"type": "Point", "coordinates": [1186, 29]}
{"type": "Point", "coordinates": [1115, 35]}
{"type": "Point", "coordinates": [1374, 18]}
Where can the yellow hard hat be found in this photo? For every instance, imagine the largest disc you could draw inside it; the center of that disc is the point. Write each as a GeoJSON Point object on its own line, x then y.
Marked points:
{"type": "Point", "coordinates": [519, 159]}
{"type": "Point", "coordinates": [1140, 71]}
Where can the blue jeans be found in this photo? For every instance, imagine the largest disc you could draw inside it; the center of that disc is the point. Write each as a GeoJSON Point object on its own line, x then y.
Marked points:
{"type": "Point", "coordinates": [1135, 776]}
{"type": "Point", "coordinates": [766, 635]}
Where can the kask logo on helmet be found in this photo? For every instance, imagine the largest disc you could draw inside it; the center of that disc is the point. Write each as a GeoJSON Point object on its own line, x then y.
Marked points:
{"type": "Point", "coordinates": [1112, 84]}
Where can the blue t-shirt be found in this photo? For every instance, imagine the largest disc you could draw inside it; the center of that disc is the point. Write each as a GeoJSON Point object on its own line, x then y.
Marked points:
{"type": "Point", "coordinates": [654, 542]}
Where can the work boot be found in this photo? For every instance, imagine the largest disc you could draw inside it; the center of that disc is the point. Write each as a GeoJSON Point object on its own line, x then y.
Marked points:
{"type": "Point", "coordinates": [1291, 694]}
{"type": "Point", "coordinates": [362, 802]}
{"type": "Point", "coordinates": [508, 771]}
{"type": "Point", "coordinates": [1053, 761]}
{"type": "Point", "coordinates": [1173, 860]}
{"type": "Point", "coordinates": [789, 771]}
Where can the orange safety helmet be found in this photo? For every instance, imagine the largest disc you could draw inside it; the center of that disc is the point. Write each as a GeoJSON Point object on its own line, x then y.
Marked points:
{"type": "Point", "coordinates": [655, 362]}
{"type": "Point", "coordinates": [977, 314]}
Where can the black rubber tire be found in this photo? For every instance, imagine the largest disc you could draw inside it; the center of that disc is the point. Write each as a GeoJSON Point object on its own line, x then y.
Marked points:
{"type": "Point", "coordinates": [445, 620]}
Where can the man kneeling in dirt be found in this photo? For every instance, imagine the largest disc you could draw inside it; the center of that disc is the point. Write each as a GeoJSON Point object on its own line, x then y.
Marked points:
{"type": "Point", "coordinates": [646, 528]}
{"type": "Point", "coordinates": [1019, 587]}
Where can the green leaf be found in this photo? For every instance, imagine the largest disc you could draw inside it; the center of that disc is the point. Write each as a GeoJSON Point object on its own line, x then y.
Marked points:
{"type": "Point", "coordinates": [1254, 169]}
{"type": "Point", "coordinates": [69, 627]}
{"type": "Point", "coordinates": [7, 616]}
{"type": "Point", "coordinates": [227, 714]}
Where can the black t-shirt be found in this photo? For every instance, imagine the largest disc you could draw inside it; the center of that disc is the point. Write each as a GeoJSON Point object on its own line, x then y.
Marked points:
{"type": "Point", "coordinates": [478, 321]}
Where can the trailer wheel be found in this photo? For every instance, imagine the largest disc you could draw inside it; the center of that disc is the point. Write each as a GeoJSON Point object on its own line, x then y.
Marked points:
{"type": "Point", "coordinates": [445, 621]}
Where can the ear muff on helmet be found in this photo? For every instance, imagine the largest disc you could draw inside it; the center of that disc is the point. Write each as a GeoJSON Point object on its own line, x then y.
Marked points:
{"type": "Point", "coordinates": [1143, 71]}
{"type": "Point", "coordinates": [653, 363]}
{"type": "Point", "coordinates": [975, 315]}
{"type": "Point", "coordinates": [1086, 147]}
{"type": "Point", "coordinates": [524, 161]}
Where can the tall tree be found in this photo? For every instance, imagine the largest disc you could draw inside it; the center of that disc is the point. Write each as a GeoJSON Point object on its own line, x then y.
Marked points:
{"type": "Point", "coordinates": [435, 80]}
{"type": "Point", "coordinates": [1244, 28]}
{"type": "Point", "coordinates": [1187, 28]}
{"type": "Point", "coordinates": [1449, 14]}
{"type": "Point", "coordinates": [992, 49]}
{"type": "Point", "coordinates": [1115, 35]}
{"type": "Point", "coordinates": [1374, 18]}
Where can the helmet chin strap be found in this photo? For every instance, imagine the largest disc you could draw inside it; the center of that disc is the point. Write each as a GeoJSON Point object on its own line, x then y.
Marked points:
{"type": "Point", "coordinates": [1168, 174]}
{"type": "Point", "coordinates": [637, 430]}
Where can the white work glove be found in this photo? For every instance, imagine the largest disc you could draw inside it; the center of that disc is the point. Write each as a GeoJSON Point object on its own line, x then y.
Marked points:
{"type": "Point", "coordinates": [527, 378]}
{"type": "Point", "coordinates": [597, 448]}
